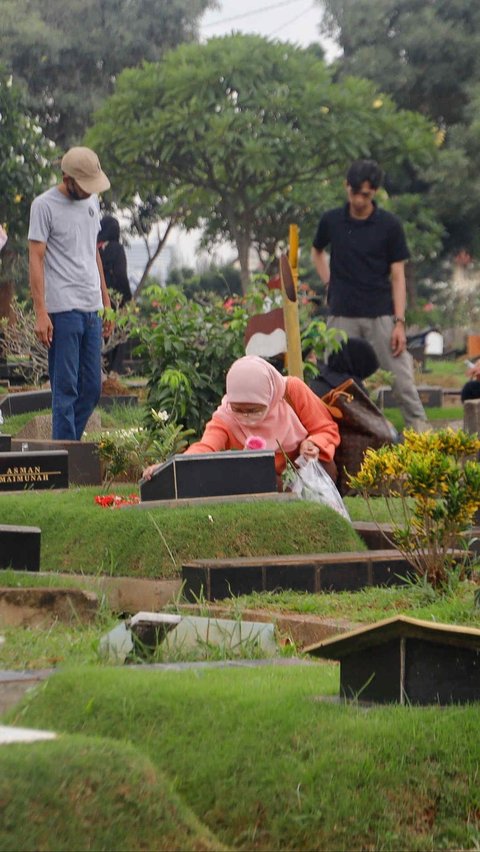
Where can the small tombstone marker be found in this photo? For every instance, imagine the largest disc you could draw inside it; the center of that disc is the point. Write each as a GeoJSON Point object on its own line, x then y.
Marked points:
{"type": "Point", "coordinates": [431, 397]}
{"type": "Point", "coordinates": [404, 660]}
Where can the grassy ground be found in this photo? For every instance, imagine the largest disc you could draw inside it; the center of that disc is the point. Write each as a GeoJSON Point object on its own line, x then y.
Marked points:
{"type": "Point", "coordinates": [83, 793]}
{"type": "Point", "coordinates": [369, 605]}
{"type": "Point", "coordinates": [116, 417]}
{"type": "Point", "coordinates": [452, 412]}
{"type": "Point", "coordinates": [267, 765]}
{"type": "Point", "coordinates": [79, 536]}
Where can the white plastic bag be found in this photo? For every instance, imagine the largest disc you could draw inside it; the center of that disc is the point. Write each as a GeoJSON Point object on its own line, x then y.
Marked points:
{"type": "Point", "coordinates": [312, 482]}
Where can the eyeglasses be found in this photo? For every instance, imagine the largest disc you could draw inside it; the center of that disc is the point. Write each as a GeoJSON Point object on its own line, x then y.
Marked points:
{"type": "Point", "coordinates": [252, 412]}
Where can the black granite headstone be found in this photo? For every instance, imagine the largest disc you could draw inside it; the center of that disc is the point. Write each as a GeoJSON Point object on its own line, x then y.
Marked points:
{"type": "Point", "coordinates": [404, 660]}
{"type": "Point", "coordinates": [5, 443]}
{"type": "Point", "coordinates": [20, 548]}
{"type": "Point", "coordinates": [431, 397]}
{"type": "Point", "coordinates": [24, 402]}
{"type": "Point", "coordinates": [33, 470]}
{"type": "Point", "coordinates": [215, 579]}
{"type": "Point", "coordinates": [84, 466]}
{"type": "Point", "coordinates": [212, 475]}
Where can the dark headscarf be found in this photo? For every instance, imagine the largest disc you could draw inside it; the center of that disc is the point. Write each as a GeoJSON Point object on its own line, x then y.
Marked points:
{"type": "Point", "coordinates": [355, 360]}
{"type": "Point", "coordinates": [109, 230]}
{"type": "Point", "coordinates": [113, 258]}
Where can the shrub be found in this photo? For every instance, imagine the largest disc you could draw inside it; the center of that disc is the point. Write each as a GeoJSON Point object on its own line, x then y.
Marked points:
{"type": "Point", "coordinates": [189, 347]}
{"type": "Point", "coordinates": [126, 452]}
{"type": "Point", "coordinates": [437, 481]}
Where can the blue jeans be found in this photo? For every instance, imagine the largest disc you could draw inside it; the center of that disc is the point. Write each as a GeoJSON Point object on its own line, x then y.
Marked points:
{"type": "Point", "coordinates": [74, 366]}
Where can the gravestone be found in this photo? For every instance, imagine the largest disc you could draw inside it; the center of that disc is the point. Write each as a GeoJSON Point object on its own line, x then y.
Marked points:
{"type": "Point", "coordinates": [33, 470]}
{"type": "Point", "coordinates": [471, 416]}
{"type": "Point", "coordinates": [216, 579]}
{"type": "Point", "coordinates": [431, 397]}
{"type": "Point", "coordinates": [20, 547]}
{"type": "Point", "coordinates": [406, 661]}
{"type": "Point", "coordinates": [212, 475]}
{"type": "Point", "coordinates": [5, 443]}
{"type": "Point", "coordinates": [22, 403]}
{"type": "Point", "coordinates": [84, 466]}
{"type": "Point", "coordinates": [107, 401]}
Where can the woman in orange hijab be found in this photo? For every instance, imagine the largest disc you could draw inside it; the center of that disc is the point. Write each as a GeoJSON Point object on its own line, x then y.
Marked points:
{"type": "Point", "coordinates": [283, 412]}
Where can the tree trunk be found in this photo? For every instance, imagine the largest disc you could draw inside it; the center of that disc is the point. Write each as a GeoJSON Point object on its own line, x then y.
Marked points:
{"type": "Point", "coordinates": [162, 239]}
{"type": "Point", "coordinates": [243, 246]}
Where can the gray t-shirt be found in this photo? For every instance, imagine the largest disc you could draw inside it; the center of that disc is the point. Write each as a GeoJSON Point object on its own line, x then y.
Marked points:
{"type": "Point", "coordinates": [69, 228]}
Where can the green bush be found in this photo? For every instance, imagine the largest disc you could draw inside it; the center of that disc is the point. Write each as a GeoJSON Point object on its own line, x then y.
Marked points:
{"type": "Point", "coordinates": [189, 347]}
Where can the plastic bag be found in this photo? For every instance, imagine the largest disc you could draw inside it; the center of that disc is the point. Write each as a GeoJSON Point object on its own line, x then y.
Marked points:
{"type": "Point", "coordinates": [312, 482]}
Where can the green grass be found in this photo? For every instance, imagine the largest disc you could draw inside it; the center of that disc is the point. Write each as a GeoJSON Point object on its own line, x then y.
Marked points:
{"type": "Point", "coordinates": [79, 536]}
{"type": "Point", "coordinates": [84, 793]}
{"type": "Point", "coordinates": [13, 424]}
{"type": "Point", "coordinates": [116, 417]}
{"type": "Point", "coordinates": [453, 412]}
{"type": "Point", "coordinates": [267, 766]}
{"type": "Point", "coordinates": [447, 373]}
{"type": "Point", "coordinates": [370, 605]}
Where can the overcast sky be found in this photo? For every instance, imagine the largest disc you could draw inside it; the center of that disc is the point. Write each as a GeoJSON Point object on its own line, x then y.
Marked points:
{"type": "Point", "coordinates": [286, 20]}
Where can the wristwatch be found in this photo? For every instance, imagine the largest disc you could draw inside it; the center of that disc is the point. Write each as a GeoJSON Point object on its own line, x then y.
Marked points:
{"type": "Point", "coordinates": [398, 319]}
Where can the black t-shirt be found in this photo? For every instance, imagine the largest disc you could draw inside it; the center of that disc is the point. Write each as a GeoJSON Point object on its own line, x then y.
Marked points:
{"type": "Point", "coordinates": [361, 254]}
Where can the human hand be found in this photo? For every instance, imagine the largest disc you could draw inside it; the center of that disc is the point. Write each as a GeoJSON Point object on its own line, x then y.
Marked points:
{"type": "Point", "coordinates": [474, 371]}
{"type": "Point", "coordinates": [107, 328]}
{"type": "Point", "coordinates": [150, 470]}
{"type": "Point", "coordinates": [398, 339]}
{"type": "Point", "coordinates": [309, 450]}
{"type": "Point", "coordinates": [44, 329]}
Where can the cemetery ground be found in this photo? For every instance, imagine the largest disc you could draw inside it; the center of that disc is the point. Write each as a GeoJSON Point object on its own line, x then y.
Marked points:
{"type": "Point", "coordinates": [246, 756]}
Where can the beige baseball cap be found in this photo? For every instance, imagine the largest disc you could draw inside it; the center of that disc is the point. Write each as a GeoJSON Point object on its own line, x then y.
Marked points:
{"type": "Point", "coordinates": [83, 165]}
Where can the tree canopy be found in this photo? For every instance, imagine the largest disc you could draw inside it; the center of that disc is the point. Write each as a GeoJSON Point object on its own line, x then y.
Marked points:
{"type": "Point", "coordinates": [426, 55]}
{"type": "Point", "coordinates": [67, 55]}
{"type": "Point", "coordinates": [246, 134]}
{"type": "Point", "coordinates": [25, 156]}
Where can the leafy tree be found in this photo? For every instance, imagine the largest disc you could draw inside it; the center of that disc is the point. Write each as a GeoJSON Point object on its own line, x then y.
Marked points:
{"type": "Point", "coordinates": [68, 54]}
{"type": "Point", "coordinates": [246, 134]}
{"type": "Point", "coordinates": [422, 52]}
{"type": "Point", "coordinates": [425, 55]}
{"type": "Point", "coordinates": [25, 157]}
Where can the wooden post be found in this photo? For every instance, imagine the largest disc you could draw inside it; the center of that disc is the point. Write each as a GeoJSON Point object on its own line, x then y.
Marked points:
{"type": "Point", "coordinates": [289, 279]}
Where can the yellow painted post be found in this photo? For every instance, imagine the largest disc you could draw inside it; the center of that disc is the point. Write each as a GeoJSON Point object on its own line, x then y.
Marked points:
{"type": "Point", "coordinates": [290, 309]}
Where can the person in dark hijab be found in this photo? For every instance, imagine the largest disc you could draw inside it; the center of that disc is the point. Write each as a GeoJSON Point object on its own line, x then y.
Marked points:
{"type": "Point", "coordinates": [114, 264]}
{"type": "Point", "coordinates": [355, 360]}
{"type": "Point", "coordinates": [471, 389]}
{"type": "Point", "coordinates": [113, 257]}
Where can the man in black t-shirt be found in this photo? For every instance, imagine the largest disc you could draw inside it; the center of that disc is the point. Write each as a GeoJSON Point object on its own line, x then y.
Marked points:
{"type": "Point", "coordinates": [366, 280]}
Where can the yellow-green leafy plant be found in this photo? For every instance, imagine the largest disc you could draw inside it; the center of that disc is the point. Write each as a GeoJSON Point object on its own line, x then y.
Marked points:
{"type": "Point", "coordinates": [434, 479]}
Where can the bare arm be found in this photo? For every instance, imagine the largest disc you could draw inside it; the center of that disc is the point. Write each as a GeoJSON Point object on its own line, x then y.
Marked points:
{"type": "Point", "coordinates": [43, 323]}
{"type": "Point", "coordinates": [320, 262]}
{"type": "Point", "coordinates": [399, 296]}
{"type": "Point", "coordinates": [107, 324]}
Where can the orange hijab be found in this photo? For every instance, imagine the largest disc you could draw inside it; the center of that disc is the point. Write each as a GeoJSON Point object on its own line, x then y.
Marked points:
{"type": "Point", "coordinates": [253, 380]}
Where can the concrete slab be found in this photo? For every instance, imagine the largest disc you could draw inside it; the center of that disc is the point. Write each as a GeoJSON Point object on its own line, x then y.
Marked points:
{"type": "Point", "coordinates": [10, 735]}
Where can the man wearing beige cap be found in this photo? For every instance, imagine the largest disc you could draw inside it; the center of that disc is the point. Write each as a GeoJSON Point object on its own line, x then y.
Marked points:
{"type": "Point", "coordinates": [68, 288]}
